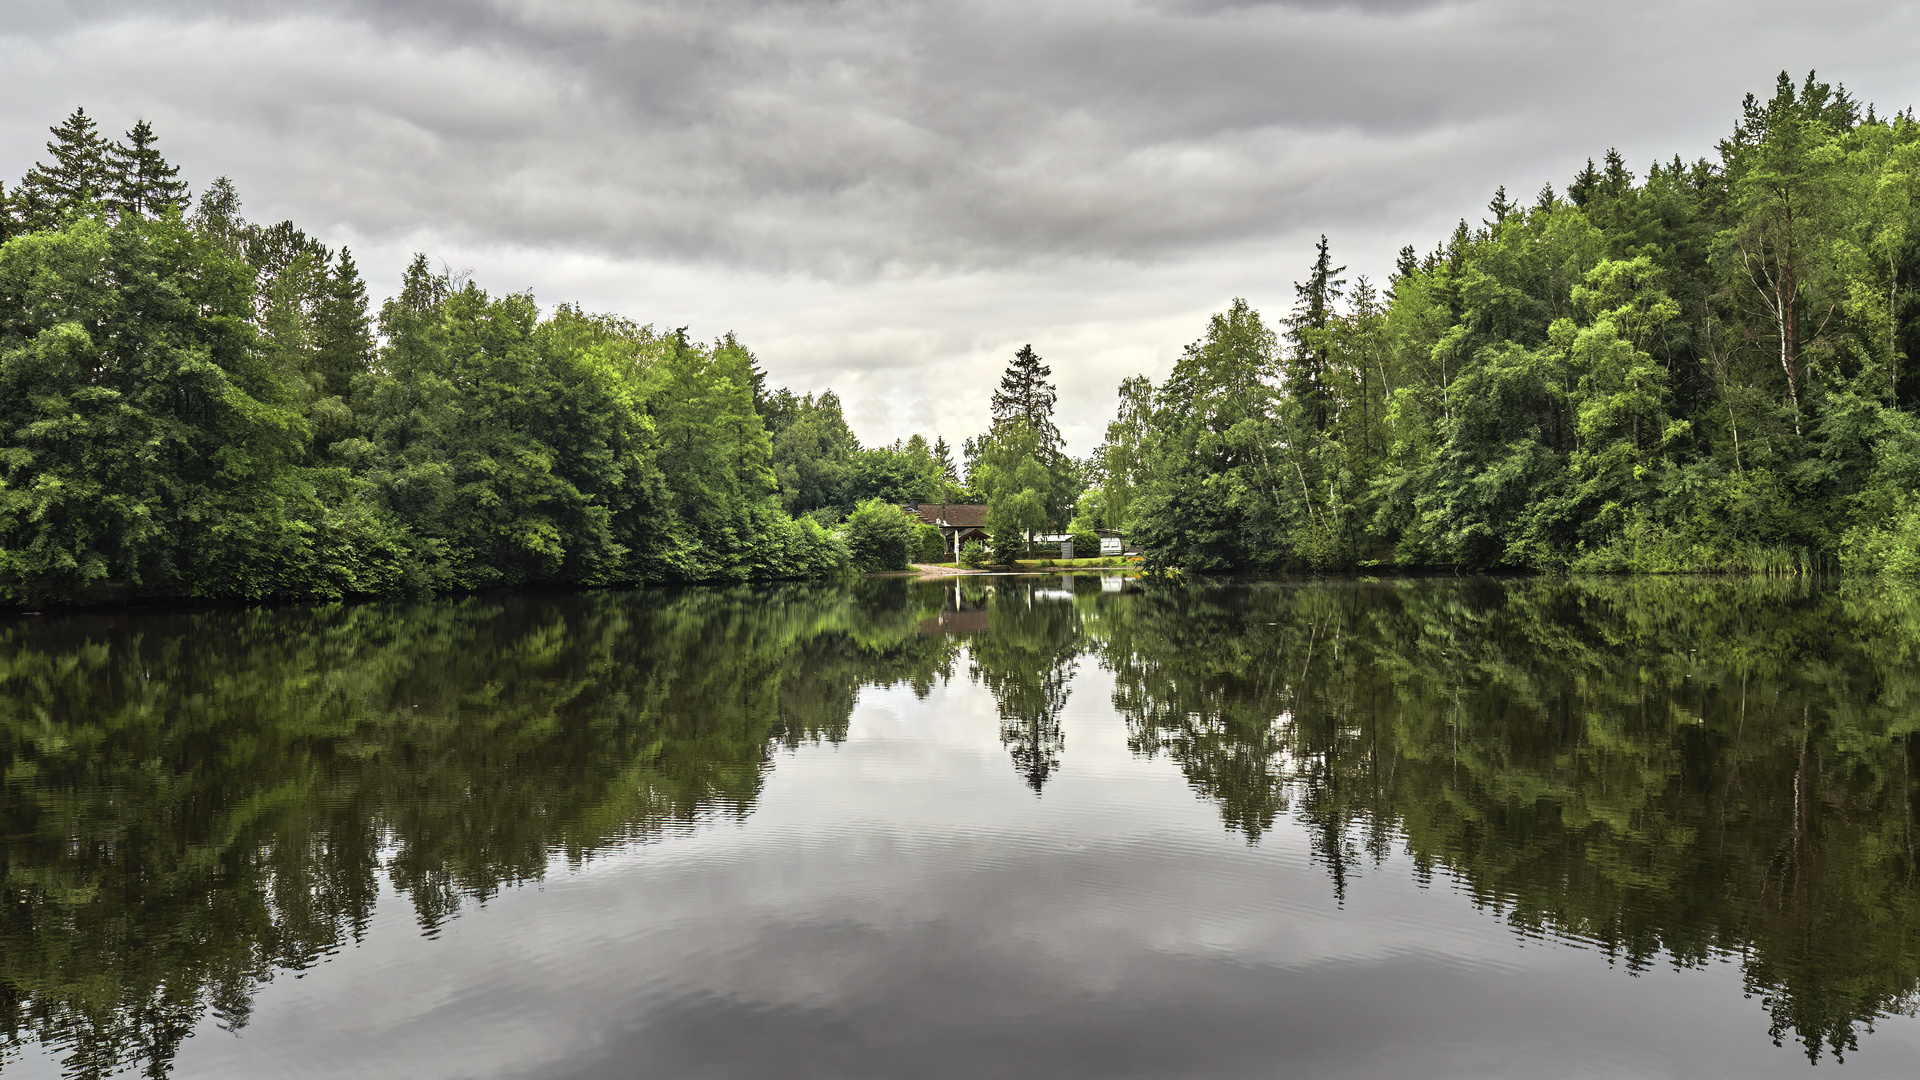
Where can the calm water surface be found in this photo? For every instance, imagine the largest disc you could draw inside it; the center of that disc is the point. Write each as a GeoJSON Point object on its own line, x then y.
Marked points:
{"type": "Point", "coordinates": [1008, 827]}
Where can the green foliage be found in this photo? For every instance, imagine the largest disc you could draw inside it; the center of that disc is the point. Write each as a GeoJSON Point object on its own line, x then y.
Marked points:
{"type": "Point", "coordinates": [1086, 545]}
{"type": "Point", "coordinates": [1703, 370]}
{"type": "Point", "coordinates": [878, 536]}
{"type": "Point", "coordinates": [812, 449]}
{"type": "Point", "coordinates": [196, 407]}
{"type": "Point", "coordinates": [928, 545]}
{"type": "Point", "coordinates": [145, 444]}
{"type": "Point", "coordinates": [1007, 545]}
{"type": "Point", "coordinates": [973, 555]}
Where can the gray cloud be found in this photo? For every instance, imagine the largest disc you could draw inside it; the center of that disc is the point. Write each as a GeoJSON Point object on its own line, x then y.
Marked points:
{"type": "Point", "coordinates": [823, 174]}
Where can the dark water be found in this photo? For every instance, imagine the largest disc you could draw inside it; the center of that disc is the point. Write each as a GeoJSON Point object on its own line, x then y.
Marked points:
{"type": "Point", "coordinates": [1036, 827]}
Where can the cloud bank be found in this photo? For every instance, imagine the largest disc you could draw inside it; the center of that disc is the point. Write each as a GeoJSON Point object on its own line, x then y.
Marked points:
{"type": "Point", "coordinates": [889, 197]}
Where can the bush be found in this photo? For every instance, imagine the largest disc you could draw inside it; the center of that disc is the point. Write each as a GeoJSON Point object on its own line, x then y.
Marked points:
{"type": "Point", "coordinates": [974, 555]}
{"type": "Point", "coordinates": [1085, 545]}
{"type": "Point", "coordinates": [928, 544]}
{"type": "Point", "coordinates": [878, 536]}
{"type": "Point", "coordinates": [1008, 545]}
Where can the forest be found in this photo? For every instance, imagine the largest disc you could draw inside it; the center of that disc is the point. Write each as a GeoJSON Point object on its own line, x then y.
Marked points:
{"type": "Point", "coordinates": [1698, 369]}
{"type": "Point", "coordinates": [196, 406]}
{"type": "Point", "coordinates": [1701, 369]}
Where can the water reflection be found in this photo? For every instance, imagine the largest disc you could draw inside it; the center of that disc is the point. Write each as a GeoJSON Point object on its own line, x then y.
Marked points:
{"type": "Point", "coordinates": [1665, 769]}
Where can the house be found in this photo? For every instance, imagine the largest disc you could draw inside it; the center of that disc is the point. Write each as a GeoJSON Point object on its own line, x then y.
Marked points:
{"type": "Point", "coordinates": [959, 523]}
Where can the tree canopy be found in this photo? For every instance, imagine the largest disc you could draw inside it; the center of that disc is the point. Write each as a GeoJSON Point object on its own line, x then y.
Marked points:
{"type": "Point", "coordinates": [1702, 369]}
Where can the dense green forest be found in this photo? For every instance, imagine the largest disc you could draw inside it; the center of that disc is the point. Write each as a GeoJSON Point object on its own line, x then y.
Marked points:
{"type": "Point", "coordinates": [1702, 369]}
{"type": "Point", "coordinates": [195, 405]}
{"type": "Point", "coordinates": [1699, 369]}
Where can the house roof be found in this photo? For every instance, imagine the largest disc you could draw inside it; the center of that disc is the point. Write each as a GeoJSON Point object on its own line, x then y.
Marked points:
{"type": "Point", "coordinates": [953, 515]}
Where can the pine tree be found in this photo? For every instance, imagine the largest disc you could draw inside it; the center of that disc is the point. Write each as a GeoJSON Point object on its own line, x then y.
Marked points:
{"type": "Point", "coordinates": [1405, 266]}
{"type": "Point", "coordinates": [1312, 349]}
{"type": "Point", "coordinates": [1582, 189]}
{"type": "Point", "coordinates": [79, 176]}
{"type": "Point", "coordinates": [343, 333]}
{"type": "Point", "coordinates": [9, 225]}
{"type": "Point", "coordinates": [144, 184]}
{"type": "Point", "coordinates": [943, 457]}
{"type": "Point", "coordinates": [1500, 207]}
{"type": "Point", "coordinates": [1544, 201]}
{"type": "Point", "coordinates": [1025, 394]}
{"type": "Point", "coordinates": [1618, 179]}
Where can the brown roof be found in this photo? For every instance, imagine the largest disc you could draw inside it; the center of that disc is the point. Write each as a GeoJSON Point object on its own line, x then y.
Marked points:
{"type": "Point", "coordinates": [959, 515]}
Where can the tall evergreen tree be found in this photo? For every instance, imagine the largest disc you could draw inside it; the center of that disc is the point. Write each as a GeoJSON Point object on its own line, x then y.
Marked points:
{"type": "Point", "coordinates": [1313, 312]}
{"type": "Point", "coordinates": [1584, 184]}
{"type": "Point", "coordinates": [943, 457]}
{"type": "Point", "coordinates": [1026, 395]}
{"type": "Point", "coordinates": [1406, 265]}
{"type": "Point", "coordinates": [144, 184]}
{"type": "Point", "coordinates": [343, 331]}
{"type": "Point", "coordinates": [79, 175]}
{"type": "Point", "coordinates": [1499, 207]}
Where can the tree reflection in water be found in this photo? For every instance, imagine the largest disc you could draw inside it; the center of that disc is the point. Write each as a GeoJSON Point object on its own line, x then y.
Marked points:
{"type": "Point", "coordinates": [1687, 769]}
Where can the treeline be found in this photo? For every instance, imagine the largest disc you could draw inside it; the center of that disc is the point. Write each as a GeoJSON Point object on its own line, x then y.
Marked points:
{"type": "Point", "coordinates": [1702, 369]}
{"type": "Point", "coordinates": [193, 405]}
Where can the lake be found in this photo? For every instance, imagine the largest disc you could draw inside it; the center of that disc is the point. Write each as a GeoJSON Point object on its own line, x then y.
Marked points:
{"type": "Point", "coordinates": [1019, 826]}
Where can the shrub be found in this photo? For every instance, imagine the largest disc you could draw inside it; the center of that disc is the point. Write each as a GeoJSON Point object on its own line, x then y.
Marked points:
{"type": "Point", "coordinates": [974, 555]}
{"type": "Point", "coordinates": [1085, 545]}
{"type": "Point", "coordinates": [878, 536]}
{"type": "Point", "coordinates": [1007, 545]}
{"type": "Point", "coordinates": [928, 544]}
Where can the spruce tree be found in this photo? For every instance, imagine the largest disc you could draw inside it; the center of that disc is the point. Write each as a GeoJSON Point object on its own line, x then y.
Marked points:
{"type": "Point", "coordinates": [79, 176]}
{"type": "Point", "coordinates": [1581, 191]}
{"type": "Point", "coordinates": [9, 226]}
{"type": "Point", "coordinates": [144, 184]}
{"type": "Point", "coordinates": [343, 332]}
{"type": "Point", "coordinates": [1312, 349]}
{"type": "Point", "coordinates": [943, 457]}
{"type": "Point", "coordinates": [1405, 266]}
{"type": "Point", "coordinates": [1617, 178]}
{"type": "Point", "coordinates": [1500, 207]}
{"type": "Point", "coordinates": [1025, 394]}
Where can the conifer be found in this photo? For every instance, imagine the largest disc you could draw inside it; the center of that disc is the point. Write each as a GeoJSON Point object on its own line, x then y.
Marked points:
{"type": "Point", "coordinates": [343, 332]}
{"type": "Point", "coordinates": [79, 175]}
{"type": "Point", "coordinates": [144, 184]}
{"type": "Point", "coordinates": [1406, 265]}
{"type": "Point", "coordinates": [1582, 189]}
{"type": "Point", "coordinates": [1313, 309]}
{"type": "Point", "coordinates": [1500, 207]}
{"type": "Point", "coordinates": [1025, 394]}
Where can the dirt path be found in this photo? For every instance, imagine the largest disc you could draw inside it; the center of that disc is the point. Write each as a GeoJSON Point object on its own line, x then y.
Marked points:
{"type": "Point", "coordinates": [928, 570]}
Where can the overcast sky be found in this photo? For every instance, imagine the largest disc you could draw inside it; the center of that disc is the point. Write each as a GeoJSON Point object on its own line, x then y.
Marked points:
{"type": "Point", "coordinates": [889, 198]}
